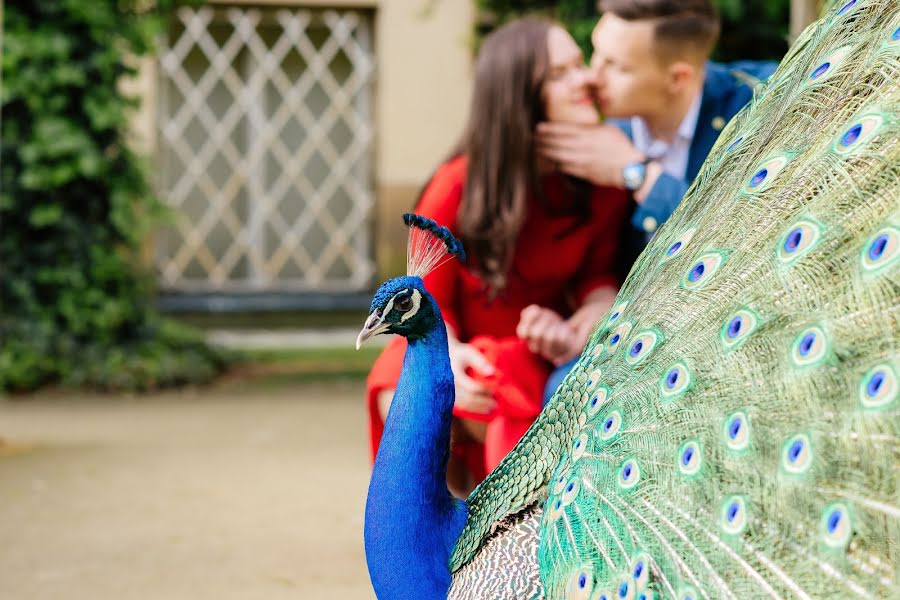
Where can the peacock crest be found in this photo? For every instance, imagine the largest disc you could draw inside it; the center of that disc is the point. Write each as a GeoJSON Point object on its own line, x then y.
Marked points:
{"type": "Point", "coordinates": [430, 245]}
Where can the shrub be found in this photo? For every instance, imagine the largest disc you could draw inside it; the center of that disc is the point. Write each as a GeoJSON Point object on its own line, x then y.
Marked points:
{"type": "Point", "coordinates": [75, 206]}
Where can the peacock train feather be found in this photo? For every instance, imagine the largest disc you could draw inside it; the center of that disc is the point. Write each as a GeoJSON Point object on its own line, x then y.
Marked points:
{"type": "Point", "coordinates": [732, 429]}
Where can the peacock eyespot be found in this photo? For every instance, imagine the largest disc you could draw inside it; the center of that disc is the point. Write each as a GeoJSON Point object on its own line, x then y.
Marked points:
{"type": "Point", "coordinates": [560, 483]}
{"type": "Point", "coordinates": [611, 426]}
{"type": "Point", "coordinates": [827, 65]}
{"type": "Point", "coordinates": [571, 491]}
{"type": "Point", "coordinates": [677, 247]}
{"type": "Point", "coordinates": [689, 458]}
{"type": "Point", "coordinates": [675, 381]}
{"type": "Point", "coordinates": [582, 581]}
{"type": "Point", "coordinates": [860, 131]}
{"type": "Point", "coordinates": [702, 270]}
{"type": "Point", "coordinates": [734, 515]}
{"type": "Point", "coordinates": [617, 335]}
{"type": "Point", "coordinates": [616, 312]}
{"type": "Point", "coordinates": [629, 474]}
{"type": "Point", "coordinates": [878, 387]}
{"type": "Point", "coordinates": [810, 347]}
{"type": "Point", "coordinates": [579, 447]}
{"type": "Point", "coordinates": [738, 327]}
{"type": "Point", "coordinates": [797, 455]}
{"type": "Point", "coordinates": [764, 173]}
{"type": "Point", "coordinates": [597, 400]}
{"type": "Point", "coordinates": [594, 378]}
{"type": "Point", "coordinates": [623, 590]}
{"type": "Point", "coordinates": [639, 571]}
{"type": "Point", "coordinates": [801, 237]}
{"type": "Point", "coordinates": [895, 37]}
{"type": "Point", "coordinates": [836, 527]}
{"type": "Point", "coordinates": [737, 432]}
{"type": "Point", "coordinates": [641, 347]}
{"type": "Point", "coordinates": [882, 249]}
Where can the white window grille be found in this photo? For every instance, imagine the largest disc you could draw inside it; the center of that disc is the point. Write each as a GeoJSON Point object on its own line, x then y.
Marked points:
{"type": "Point", "coordinates": [265, 151]}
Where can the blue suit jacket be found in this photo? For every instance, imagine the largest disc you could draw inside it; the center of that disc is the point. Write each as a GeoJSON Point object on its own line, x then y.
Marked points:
{"type": "Point", "coordinates": [726, 89]}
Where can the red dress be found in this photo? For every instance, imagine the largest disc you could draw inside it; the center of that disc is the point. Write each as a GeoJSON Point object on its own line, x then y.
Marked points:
{"type": "Point", "coordinates": [559, 259]}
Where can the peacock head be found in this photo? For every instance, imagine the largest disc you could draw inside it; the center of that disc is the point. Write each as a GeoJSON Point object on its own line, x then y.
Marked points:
{"type": "Point", "coordinates": [402, 305]}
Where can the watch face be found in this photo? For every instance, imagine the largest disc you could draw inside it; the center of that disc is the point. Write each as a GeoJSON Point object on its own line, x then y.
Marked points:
{"type": "Point", "coordinates": [633, 175]}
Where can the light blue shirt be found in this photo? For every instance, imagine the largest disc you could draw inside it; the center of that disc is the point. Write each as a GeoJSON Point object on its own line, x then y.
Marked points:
{"type": "Point", "coordinates": [673, 155]}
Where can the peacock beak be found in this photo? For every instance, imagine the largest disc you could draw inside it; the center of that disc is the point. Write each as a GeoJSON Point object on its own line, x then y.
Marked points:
{"type": "Point", "coordinates": [374, 325]}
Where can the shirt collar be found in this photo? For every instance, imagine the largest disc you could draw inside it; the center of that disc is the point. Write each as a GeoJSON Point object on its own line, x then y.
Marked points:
{"type": "Point", "coordinates": [641, 133]}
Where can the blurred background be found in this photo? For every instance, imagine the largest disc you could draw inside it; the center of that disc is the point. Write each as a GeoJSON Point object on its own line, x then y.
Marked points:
{"type": "Point", "coordinates": [196, 201]}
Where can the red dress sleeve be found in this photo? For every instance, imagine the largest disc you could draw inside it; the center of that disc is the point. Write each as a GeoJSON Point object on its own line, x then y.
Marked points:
{"type": "Point", "coordinates": [609, 206]}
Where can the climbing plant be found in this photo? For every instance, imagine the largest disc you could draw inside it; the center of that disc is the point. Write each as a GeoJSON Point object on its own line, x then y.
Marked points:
{"type": "Point", "coordinates": [751, 29]}
{"type": "Point", "coordinates": [75, 306]}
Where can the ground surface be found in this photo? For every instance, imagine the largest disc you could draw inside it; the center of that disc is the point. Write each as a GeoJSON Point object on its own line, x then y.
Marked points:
{"type": "Point", "coordinates": [253, 488]}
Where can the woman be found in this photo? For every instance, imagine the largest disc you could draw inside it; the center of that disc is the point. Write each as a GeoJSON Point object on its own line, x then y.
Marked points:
{"type": "Point", "coordinates": [541, 247]}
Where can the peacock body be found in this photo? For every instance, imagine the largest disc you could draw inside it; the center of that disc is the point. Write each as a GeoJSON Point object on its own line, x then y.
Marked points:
{"type": "Point", "coordinates": [732, 429]}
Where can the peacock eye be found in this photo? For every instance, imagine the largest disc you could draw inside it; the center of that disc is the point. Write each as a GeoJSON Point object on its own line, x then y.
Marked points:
{"type": "Point", "coordinates": [404, 304]}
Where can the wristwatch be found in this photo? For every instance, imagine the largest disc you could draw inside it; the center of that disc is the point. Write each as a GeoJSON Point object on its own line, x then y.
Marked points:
{"type": "Point", "coordinates": [634, 174]}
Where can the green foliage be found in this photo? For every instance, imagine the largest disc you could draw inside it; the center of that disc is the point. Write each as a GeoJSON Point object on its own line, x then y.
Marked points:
{"type": "Point", "coordinates": [75, 205]}
{"type": "Point", "coordinates": [751, 29]}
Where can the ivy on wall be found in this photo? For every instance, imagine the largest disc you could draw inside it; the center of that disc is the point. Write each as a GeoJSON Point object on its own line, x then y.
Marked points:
{"type": "Point", "coordinates": [751, 29]}
{"type": "Point", "coordinates": [75, 206]}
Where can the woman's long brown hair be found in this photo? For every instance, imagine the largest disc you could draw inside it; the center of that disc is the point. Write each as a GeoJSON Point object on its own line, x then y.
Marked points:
{"type": "Point", "coordinates": [498, 139]}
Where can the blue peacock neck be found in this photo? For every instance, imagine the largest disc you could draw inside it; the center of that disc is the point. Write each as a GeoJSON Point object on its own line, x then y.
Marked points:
{"type": "Point", "coordinates": [412, 521]}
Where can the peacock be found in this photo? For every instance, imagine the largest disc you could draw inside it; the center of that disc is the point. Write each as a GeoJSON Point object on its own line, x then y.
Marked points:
{"type": "Point", "coordinates": [732, 428]}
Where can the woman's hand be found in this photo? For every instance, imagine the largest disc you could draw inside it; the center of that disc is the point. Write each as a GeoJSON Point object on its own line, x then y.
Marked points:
{"type": "Point", "coordinates": [471, 395]}
{"type": "Point", "coordinates": [546, 333]}
{"type": "Point", "coordinates": [583, 321]}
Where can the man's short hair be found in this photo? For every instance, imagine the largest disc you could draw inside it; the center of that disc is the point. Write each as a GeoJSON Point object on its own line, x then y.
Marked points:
{"type": "Point", "coordinates": [679, 23]}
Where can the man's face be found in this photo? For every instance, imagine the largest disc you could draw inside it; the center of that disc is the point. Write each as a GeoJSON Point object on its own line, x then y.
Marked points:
{"type": "Point", "coordinates": [631, 80]}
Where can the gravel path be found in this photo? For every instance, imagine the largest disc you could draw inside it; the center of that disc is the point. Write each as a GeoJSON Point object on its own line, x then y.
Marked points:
{"type": "Point", "coordinates": [246, 490]}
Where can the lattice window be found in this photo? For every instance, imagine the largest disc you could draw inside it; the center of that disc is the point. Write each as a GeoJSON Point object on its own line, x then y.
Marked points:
{"type": "Point", "coordinates": [265, 132]}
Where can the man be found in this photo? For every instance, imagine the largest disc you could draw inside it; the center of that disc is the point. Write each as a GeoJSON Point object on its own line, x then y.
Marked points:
{"type": "Point", "coordinates": [666, 104]}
